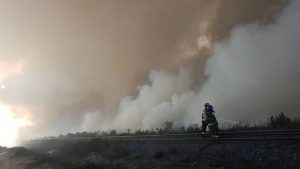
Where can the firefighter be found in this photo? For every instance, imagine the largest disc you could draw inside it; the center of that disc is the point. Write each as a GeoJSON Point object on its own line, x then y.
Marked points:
{"type": "Point", "coordinates": [209, 119]}
{"type": "Point", "coordinates": [204, 119]}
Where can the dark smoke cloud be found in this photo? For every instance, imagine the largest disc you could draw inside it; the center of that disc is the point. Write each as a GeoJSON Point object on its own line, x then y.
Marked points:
{"type": "Point", "coordinates": [83, 57]}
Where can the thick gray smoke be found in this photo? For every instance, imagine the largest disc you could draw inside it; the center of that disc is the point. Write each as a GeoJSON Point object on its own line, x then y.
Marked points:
{"type": "Point", "coordinates": [255, 73]}
{"type": "Point", "coordinates": [251, 75]}
{"type": "Point", "coordinates": [166, 98]}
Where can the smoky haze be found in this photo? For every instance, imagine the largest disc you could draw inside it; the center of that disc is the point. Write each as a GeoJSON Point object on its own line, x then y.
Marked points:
{"type": "Point", "coordinates": [88, 65]}
{"type": "Point", "coordinates": [249, 76]}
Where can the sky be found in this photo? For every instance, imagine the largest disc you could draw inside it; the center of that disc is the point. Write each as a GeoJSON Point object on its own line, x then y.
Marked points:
{"type": "Point", "coordinates": [75, 65]}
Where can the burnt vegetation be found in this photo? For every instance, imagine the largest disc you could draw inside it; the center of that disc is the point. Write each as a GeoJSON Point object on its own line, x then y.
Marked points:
{"type": "Point", "coordinates": [98, 153]}
{"type": "Point", "coordinates": [280, 121]}
{"type": "Point", "coordinates": [77, 154]}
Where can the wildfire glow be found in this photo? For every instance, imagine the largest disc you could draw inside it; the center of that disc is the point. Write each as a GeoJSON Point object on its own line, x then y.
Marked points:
{"type": "Point", "coordinates": [11, 119]}
{"type": "Point", "coordinates": [3, 87]}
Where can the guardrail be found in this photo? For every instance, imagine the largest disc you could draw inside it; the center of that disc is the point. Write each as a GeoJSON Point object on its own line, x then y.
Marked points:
{"type": "Point", "coordinates": [261, 135]}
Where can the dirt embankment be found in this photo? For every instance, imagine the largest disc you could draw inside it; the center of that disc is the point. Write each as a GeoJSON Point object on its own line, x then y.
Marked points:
{"type": "Point", "coordinates": [98, 154]}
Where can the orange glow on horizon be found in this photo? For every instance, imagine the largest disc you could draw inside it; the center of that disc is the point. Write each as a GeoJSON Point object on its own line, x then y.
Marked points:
{"type": "Point", "coordinates": [11, 119]}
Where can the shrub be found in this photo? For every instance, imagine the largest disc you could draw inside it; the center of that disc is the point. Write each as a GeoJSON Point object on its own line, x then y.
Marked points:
{"type": "Point", "coordinates": [20, 152]}
{"type": "Point", "coordinates": [113, 132]}
{"type": "Point", "coordinates": [167, 126]}
{"type": "Point", "coordinates": [193, 128]}
{"type": "Point", "coordinates": [279, 121]}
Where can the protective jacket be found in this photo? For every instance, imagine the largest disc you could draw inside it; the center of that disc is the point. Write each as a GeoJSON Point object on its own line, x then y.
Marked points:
{"type": "Point", "coordinates": [208, 115]}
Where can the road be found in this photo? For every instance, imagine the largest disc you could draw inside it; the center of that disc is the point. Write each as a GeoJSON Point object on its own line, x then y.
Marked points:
{"type": "Point", "coordinates": [261, 135]}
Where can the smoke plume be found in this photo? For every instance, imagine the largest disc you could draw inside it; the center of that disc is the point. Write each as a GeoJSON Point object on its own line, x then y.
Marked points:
{"type": "Point", "coordinates": [255, 73]}
{"type": "Point", "coordinates": [74, 65]}
{"type": "Point", "coordinates": [251, 75]}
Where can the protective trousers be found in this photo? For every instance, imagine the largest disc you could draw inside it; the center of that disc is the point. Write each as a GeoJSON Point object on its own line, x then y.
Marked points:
{"type": "Point", "coordinates": [204, 126]}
